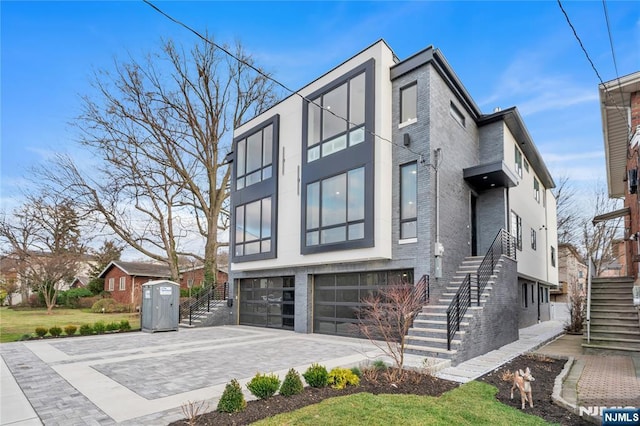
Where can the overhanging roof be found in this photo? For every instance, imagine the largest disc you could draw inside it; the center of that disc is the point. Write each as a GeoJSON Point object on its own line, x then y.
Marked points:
{"type": "Point", "coordinates": [611, 215]}
{"type": "Point", "coordinates": [615, 98]}
{"type": "Point", "coordinates": [491, 175]}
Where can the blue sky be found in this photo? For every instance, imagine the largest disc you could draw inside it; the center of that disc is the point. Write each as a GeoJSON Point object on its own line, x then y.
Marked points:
{"type": "Point", "coordinates": [505, 53]}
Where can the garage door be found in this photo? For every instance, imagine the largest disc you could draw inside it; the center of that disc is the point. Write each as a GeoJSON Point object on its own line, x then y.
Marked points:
{"type": "Point", "coordinates": [336, 298]}
{"type": "Point", "coordinates": [267, 302]}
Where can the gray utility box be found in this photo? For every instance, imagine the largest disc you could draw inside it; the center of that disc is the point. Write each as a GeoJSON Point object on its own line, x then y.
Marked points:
{"type": "Point", "coordinates": [160, 306]}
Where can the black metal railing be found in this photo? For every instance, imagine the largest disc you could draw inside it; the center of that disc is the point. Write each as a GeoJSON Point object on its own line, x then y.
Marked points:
{"type": "Point", "coordinates": [503, 244]}
{"type": "Point", "coordinates": [205, 302]}
{"type": "Point", "coordinates": [422, 286]}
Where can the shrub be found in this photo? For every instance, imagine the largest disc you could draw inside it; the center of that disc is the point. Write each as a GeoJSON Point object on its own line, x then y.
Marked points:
{"type": "Point", "coordinates": [339, 378]}
{"type": "Point", "coordinates": [25, 337]}
{"type": "Point", "coordinates": [99, 327]}
{"type": "Point", "coordinates": [292, 384]}
{"type": "Point", "coordinates": [108, 306]}
{"type": "Point", "coordinates": [55, 331]}
{"type": "Point", "coordinates": [87, 302]}
{"type": "Point", "coordinates": [113, 326]}
{"type": "Point", "coordinates": [316, 376]}
{"type": "Point", "coordinates": [41, 331]}
{"type": "Point", "coordinates": [232, 399]}
{"type": "Point", "coordinates": [264, 386]}
{"type": "Point", "coordinates": [379, 365]}
{"type": "Point", "coordinates": [124, 325]}
{"type": "Point", "coordinates": [70, 298]}
{"type": "Point", "coordinates": [356, 371]}
{"type": "Point", "coordinates": [70, 329]}
{"type": "Point", "coordinates": [86, 330]}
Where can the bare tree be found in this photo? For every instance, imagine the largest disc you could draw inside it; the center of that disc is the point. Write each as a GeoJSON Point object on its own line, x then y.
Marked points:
{"type": "Point", "coordinates": [108, 252]}
{"type": "Point", "coordinates": [44, 234]}
{"type": "Point", "coordinates": [387, 315]}
{"type": "Point", "coordinates": [568, 214]}
{"type": "Point", "coordinates": [160, 129]}
{"type": "Point", "coordinates": [598, 239]}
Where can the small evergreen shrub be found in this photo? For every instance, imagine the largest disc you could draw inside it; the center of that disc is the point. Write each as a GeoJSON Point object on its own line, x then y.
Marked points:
{"type": "Point", "coordinates": [99, 327]}
{"type": "Point", "coordinates": [379, 365]}
{"type": "Point", "coordinates": [356, 371]}
{"type": "Point", "coordinates": [25, 337]}
{"type": "Point", "coordinates": [340, 378]}
{"type": "Point", "coordinates": [41, 331]}
{"type": "Point", "coordinates": [55, 331]}
{"type": "Point", "coordinates": [292, 384]}
{"type": "Point", "coordinates": [86, 330]}
{"type": "Point", "coordinates": [108, 306]}
{"type": "Point", "coordinates": [316, 376]}
{"type": "Point", "coordinates": [264, 386]}
{"type": "Point", "coordinates": [124, 325]}
{"type": "Point", "coordinates": [70, 330]}
{"type": "Point", "coordinates": [232, 399]}
{"type": "Point", "coordinates": [113, 326]}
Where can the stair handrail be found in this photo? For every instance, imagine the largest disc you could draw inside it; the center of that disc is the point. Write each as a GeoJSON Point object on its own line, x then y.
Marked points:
{"type": "Point", "coordinates": [209, 298]}
{"type": "Point", "coordinates": [503, 244]}
{"type": "Point", "coordinates": [590, 272]}
{"type": "Point", "coordinates": [423, 286]}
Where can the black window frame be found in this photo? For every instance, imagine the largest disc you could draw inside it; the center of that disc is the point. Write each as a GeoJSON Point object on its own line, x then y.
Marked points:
{"type": "Point", "coordinates": [536, 190]}
{"type": "Point", "coordinates": [534, 243]}
{"type": "Point", "coordinates": [353, 157]}
{"type": "Point", "coordinates": [414, 218]}
{"type": "Point", "coordinates": [518, 231]}
{"type": "Point", "coordinates": [518, 160]}
{"type": "Point", "coordinates": [411, 85]}
{"type": "Point", "coordinates": [267, 188]}
{"type": "Point", "coordinates": [553, 256]}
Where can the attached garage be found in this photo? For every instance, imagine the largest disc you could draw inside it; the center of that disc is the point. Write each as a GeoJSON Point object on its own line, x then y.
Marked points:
{"type": "Point", "coordinates": [336, 298]}
{"type": "Point", "coordinates": [267, 302]}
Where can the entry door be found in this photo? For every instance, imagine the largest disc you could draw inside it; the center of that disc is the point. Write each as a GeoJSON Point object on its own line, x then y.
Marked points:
{"type": "Point", "coordinates": [474, 227]}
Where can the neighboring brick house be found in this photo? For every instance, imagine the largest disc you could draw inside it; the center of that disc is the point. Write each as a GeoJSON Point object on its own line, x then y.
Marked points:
{"type": "Point", "coordinates": [620, 108]}
{"type": "Point", "coordinates": [124, 279]}
{"type": "Point", "coordinates": [194, 277]}
{"type": "Point", "coordinates": [79, 281]}
{"type": "Point", "coordinates": [571, 271]}
{"type": "Point", "coordinates": [386, 170]}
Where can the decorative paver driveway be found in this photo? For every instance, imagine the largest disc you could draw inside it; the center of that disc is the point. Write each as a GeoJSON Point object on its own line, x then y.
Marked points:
{"type": "Point", "coordinates": [141, 378]}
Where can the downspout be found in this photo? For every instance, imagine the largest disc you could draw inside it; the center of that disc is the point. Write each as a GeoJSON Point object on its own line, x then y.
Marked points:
{"type": "Point", "coordinates": [438, 249]}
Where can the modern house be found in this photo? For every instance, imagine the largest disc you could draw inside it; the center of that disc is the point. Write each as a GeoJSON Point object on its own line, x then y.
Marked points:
{"type": "Point", "coordinates": [382, 171]}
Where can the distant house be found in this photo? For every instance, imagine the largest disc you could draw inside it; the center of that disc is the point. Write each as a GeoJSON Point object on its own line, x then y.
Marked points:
{"type": "Point", "coordinates": [124, 279]}
{"type": "Point", "coordinates": [194, 276]}
{"type": "Point", "coordinates": [571, 271]}
{"type": "Point", "coordinates": [79, 281]}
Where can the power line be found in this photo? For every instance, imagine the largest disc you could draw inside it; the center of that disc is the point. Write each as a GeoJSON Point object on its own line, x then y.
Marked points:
{"type": "Point", "coordinates": [575, 33]}
{"type": "Point", "coordinates": [270, 78]}
{"type": "Point", "coordinates": [613, 51]}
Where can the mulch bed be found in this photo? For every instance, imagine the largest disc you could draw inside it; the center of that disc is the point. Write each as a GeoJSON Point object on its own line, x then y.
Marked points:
{"type": "Point", "coordinates": [544, 370]}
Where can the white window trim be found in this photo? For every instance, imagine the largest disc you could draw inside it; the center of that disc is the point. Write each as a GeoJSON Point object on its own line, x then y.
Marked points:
{"type": "Point", "coordinates": [122, 285]}
{"type": "Point", "coordinates": [407, 123]}
{"type": "Point", "coordinates": [112, 284]}
{"type": "Point", "coordinates": [408, 241]}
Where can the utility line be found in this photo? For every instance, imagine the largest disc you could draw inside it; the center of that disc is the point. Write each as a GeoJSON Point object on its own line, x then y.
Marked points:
{"type": "Point", "coordinates": [613, 51]}
{"type": "Point", "coordinates": [575, 33]}
{"type": "Point", "coordinates": [270, 78]}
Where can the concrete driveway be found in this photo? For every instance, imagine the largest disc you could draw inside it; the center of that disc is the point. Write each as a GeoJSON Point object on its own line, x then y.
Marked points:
{"type": "Point", "coordinates": [144, 379]}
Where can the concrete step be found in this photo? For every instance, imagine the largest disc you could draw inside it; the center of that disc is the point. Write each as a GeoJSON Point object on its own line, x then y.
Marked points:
{"type": "Point", "coordinates": [615, 335]}
{"type": "Point", "coordinates": [431, 332]}
{"type": "Point", "coordinates": [611, 290]}
{"type": "Point", "coordinates": [631, 327]}
{"type": "Point", "coordinates": [608, 314]}
{"type": "Point", "coordinates": [431, 342]}
{"type": "Point", "coordinates": [431, 352]}
{"type": "Point", "coordinates": [613, 343]}
{"type": "Point", "coordinates": [435, 323]}
{"type": "Point", "coordinates": [598, 304]}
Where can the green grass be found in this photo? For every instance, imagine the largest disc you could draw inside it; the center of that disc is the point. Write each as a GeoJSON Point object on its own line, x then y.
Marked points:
{"type": "Point", "coordinates": [471, 404]}
{"type": "Point", "coordinates": [16, 323]}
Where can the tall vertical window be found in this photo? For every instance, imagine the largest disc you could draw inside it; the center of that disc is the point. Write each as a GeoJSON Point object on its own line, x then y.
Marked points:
{"type": "Point", "coordinates": [112, 284]}
{"type": "Point", "coordinates": [534, 244]}
{"type": "Point", "coordinates": [253, 228]}
{"type": "Point", "coordinates": [336, 119]}
{"type": "Point", "coordinates": [536, 190]}
{"type": "Point", "coordinates": [518, 161]}
{"type": "Point", "coordinates": [456, 114]}
{"type": "Point", "coordinates": [409, 103]}
{"type": "Point", "coordinates": [553, 256]}
{"type": "Point", "coordinates": [516, 228]}
{"type": "Point", "coordinates": [335, 209]}
{"type": "Point", "coordinates": [408, 200]}
{"type": "Point", "coordinates": [123, 284]}
{"type": "Point", "coordinates": [254, 157]}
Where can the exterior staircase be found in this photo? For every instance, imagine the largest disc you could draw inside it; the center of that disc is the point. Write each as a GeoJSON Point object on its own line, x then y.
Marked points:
{"type": "Point", "coordinates": [614, 320]}
{"type": "Point", "coordinates": [209, 308]}
{"type": "Point", "coordinates": [428, 336]}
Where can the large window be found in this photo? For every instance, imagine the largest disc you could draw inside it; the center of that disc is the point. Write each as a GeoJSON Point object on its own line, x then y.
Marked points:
{"type": "Point", "coordinates": [335, 209]}
{"type": "Point", "coordinates": [536, 190]}
{"type": "Point", "coordinates": [408, 200]}
{"type": "Point", "coordinates": [518, 162]}
{"type": "Point", "coordinates": [534, 244]}
{"type": "Point", "coordinates": [254, 157]}
{"type": "Point", "coordinates": [254, 196]}
{"type": "Point", "coordinates": [112, 284]}
{"type": "Point", "coordinates": [253, 228]}
{"type": "Point", "coordinates": [338, 190]}
{"type": "Point", "coordinates": [409, 104]}
{"type": "Point", "coordinates": [516, 228]}
{"type": "Point", "coordinates": [336, 119]}
{"type": "Point", "coordinates": [123, 284]}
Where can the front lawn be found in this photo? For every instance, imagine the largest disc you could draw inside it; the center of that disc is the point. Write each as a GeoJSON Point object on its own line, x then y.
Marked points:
{"type": "Point", "coordinates": [14, 323]}
{"type": "Point", "coordinates": [470, 404]}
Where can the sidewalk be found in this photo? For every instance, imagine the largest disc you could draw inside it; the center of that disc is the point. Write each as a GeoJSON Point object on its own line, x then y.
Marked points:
{"type": "Point", "coordinates": [15, 408]}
